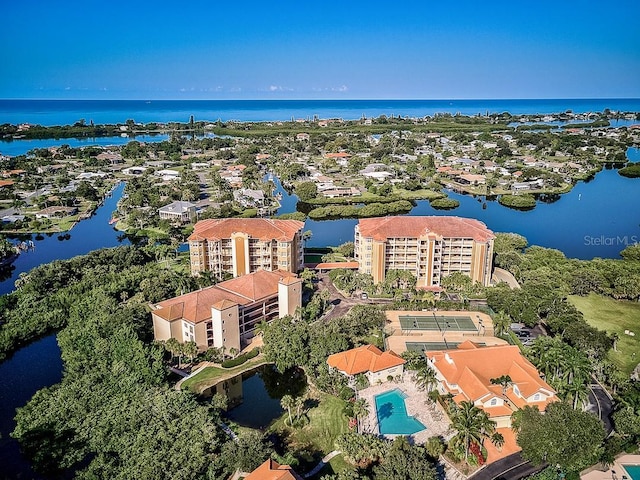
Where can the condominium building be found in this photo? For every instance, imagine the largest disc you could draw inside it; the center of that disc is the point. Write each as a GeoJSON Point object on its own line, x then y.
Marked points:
{"type": "Point", "coordinates": [238, 246]}
{"type": "Point", "coordinates": [226, 314]}
{"type": "Point", "coordinates": [429, 247]}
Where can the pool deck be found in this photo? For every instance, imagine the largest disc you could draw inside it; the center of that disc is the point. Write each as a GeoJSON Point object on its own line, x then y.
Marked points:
{"type": "Point", "coordinates": [418, 406]}
{"type": "Point", "coordinates": [615, 472]}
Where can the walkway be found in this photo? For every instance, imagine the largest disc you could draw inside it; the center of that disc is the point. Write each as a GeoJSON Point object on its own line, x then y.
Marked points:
{"type": "Point", "coordinates": [326, 459]}
{"type": "Point", "coordinates": [501, 275]}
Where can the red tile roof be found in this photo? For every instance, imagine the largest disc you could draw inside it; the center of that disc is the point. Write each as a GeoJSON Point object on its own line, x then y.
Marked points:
{"type": "Point", "coordinates": [414, 227]}
{"type": "Point", "coordinates": [260, 228]}
{"type": "Point", "coordinates": [196, 306]}
{"type": "Point", "coordinates": [472, 367]}
{"type": "Point", "coordinates": [334, 265]}
{"type": "Point", "coordinates": [272, 470]}
{"type": "Point", "coordinates": [367, 358]}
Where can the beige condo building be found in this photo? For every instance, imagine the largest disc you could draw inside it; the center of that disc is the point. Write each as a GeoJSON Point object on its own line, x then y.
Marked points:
{"type": "Point", "coordinates": [238, 246]}
{"type": "Point", "coordinates": [226, 314]}
{"type": "Point", "coordinates": [429, 247]}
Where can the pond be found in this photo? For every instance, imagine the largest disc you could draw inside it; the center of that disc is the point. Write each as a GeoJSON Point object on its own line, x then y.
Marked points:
{"type": "Point", "coordinates": [254, 396]}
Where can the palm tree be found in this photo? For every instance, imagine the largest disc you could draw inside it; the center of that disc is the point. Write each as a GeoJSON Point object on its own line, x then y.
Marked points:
{"type": "Point", "coordinates": [360, 410]}
{"type": "Point", "coordinates": [173, 346]}
{"type": "Point", "coordinates": [472, 424]}
{"type": "Point", "coordinates": [190, 349]}
{"type": "Point", "coordinates": [501, 323]}
{"type": "Point", "coordinates": [498, 440]}
{"type": "Point", "coordinates": [299, 404]}
{"type": "Point", "coordinates": [287, 403]}
{"type": "Point", "coordinates": [577, 391]}
{"type": "Point", "coordinates": [425, 378]}
{"type": "Point", "coordinates": [504, 381]}
{"type": "Point", "coordinates": [260, 329]}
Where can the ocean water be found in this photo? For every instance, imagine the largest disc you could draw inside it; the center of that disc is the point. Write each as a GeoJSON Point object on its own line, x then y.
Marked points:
{"type": "Point", "coordinates": [64, 112]}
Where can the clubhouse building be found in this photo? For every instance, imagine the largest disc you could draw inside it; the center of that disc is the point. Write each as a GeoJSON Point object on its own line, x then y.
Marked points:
{"type": "Point", "coordinates": [368, 360]}
{"type": "Point", "coordinates": [429, 247]}
{"type": "Point", "coordinates": [225, 315]}
{"type": "Point", "coordinates": [238, 246]}
{"type": "Point", "coordinates": [466, 373]}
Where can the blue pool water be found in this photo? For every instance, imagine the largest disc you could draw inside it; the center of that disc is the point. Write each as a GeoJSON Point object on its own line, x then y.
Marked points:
{"type": "Point", "coordinates": [392, 415]}
{"type": "Point", "coordinates": [633, 471]}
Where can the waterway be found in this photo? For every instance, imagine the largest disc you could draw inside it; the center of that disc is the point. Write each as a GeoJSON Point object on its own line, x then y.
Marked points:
{"type": "Point", "coordinates": [67, 112]}
{"type": "Point", "coordinates": [88, 235]}
{"type": "Point", "coordinates": [596, 219]}
{"type": "Point", "coordinates": [39, 365]}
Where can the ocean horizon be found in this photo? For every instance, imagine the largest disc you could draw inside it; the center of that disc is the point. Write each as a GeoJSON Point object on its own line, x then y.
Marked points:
{"type": "Point", "coordinates": [64, 112]}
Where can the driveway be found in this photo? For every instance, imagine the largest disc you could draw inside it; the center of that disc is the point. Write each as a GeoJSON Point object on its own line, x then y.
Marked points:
{"type": "Point", "coordinates": [513, 467]}
{"type": "Point", "coordinates": [601, 405]}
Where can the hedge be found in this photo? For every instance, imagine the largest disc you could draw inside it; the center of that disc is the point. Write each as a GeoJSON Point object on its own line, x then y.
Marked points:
{"type": "Point", "coordinates": [240, 359]}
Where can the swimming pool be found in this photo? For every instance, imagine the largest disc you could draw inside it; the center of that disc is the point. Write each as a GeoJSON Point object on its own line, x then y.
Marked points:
{"type": "Point", "coordinates": [633, 471]}
{"type": "Point", "coordinates": [392, 415]}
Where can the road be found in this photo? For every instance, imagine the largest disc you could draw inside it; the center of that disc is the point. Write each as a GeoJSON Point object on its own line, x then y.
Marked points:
{"type": "Point", "coordinates": [513, 467]}
{"type": "Point", "coordinates": [601, 405]}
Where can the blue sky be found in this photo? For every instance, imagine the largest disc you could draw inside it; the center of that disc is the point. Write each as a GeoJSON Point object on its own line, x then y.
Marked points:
{"type": "Point", "coordinates": [348, 49]}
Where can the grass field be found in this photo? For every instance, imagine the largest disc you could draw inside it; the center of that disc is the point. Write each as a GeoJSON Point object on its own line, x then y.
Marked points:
{"type": "Point", "coordinates": [614, 316]}
{"type": "Point", "coordinates": [211, 375]}
{"type": "Point", "coordinates": [326, 422]}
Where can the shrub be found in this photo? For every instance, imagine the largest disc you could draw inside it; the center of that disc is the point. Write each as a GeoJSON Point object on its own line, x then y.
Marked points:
{"type": "Point", "coordinates": [240, 359]}
{"type": "Point", "coordinates": [632, 170]}
{"type": "Point", "coordinates": [444, 203]}
{"type": "Point", "coordinates": [521, 202]}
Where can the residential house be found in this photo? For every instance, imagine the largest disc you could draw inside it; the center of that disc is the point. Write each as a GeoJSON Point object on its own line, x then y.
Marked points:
{"type": "Point", "coordinates": [272, 470]}
{"type": "Point", "coordinates": [368, 360]}
{"type": "Point", "coordinates": [56, 211]}
{"type": "Point", "coordinates": [133, 171]}
{"type": "Point", "coordinates": [467, 373]}
{"type": "Point", "coordinates": [226, 315]}
{"type": "Point", "coordinates": [168, 175]}
{"type": "Point", "coordinates": [238, 246]}
{"type": "Point", "coordinates": [429, 247]}
{"type": "Point", "coordinates": [249, 198]}
{"type": "Point", "coordinates": [179, 211]}
{"type": "Point", "coordinates": [113, 158]}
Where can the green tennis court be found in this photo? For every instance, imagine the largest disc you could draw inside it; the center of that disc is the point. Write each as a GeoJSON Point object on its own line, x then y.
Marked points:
{"type": "Point", "coordinates": [430, 346]}
{"type": "Point", "coordinates": [436, 322]}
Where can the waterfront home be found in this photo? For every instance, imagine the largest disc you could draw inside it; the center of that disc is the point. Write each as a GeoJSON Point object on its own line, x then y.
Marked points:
{"type": "Point", "coordinates": [249, 198]}
{"type": "Point", "coordinates": [226, 315]}
{"type": "Point", "coordinates": [56, 212]}
{"type": "Point", "coordinates": [179, 211]}
{"type": "Point", "coordinates": [272, 470]}
{"type": "Point", "coordinates": [368, 360]}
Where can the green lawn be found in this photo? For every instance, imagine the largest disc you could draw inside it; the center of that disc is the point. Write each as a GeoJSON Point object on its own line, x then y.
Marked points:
{"type": "Point", "coordinates": [614, 316]}
{"type": "Point", "coordinates": [326, 422]}
{"type": "Point", "coordinates": [336, 464]}
{"type": "Point", "coordinates": [211, 375]}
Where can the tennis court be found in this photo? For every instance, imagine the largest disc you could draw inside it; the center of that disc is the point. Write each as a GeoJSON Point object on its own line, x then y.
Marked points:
{"type": "Point", "coordinates": [431, 346]}
{"type": "Point", "coordinates": [437, 323]}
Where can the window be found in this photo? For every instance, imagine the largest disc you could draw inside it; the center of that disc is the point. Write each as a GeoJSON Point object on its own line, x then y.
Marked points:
{"type": "Point", "coordinates": [536, 397]}
{"type": "Point", "coordinates": [494, 402]}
